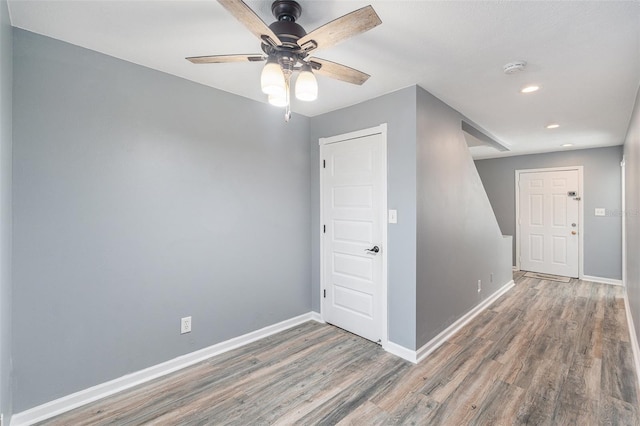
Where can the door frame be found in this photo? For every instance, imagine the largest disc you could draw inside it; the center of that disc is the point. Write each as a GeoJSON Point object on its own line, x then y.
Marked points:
{"type": "Point", "coordinates": [623, 208]}
{"type": "Point", "coordinates": [581, 194]}
{"type": "Point", "coordinates": [382, 130]}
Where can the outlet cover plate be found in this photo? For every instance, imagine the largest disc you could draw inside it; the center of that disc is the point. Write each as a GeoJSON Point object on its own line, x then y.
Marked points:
{"type": "Point", "coordinates": [185, 325]}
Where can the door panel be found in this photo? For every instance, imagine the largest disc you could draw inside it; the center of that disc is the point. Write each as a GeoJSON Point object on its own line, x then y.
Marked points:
{"type": "Point", "coordinates": [549, 222]}
{"type": "Point", "coordinates": [353, 186]}
{"type": "Point", "coordinates": [536, 242]}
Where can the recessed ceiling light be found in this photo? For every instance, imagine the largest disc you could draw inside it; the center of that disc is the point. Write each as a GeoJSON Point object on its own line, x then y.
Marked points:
{"type": "Point", "coordinates": [530, 89]}
{"type": "Point", "coordinates": [553, 126]}
{"type": "Point", "coordinates": [566, 145]}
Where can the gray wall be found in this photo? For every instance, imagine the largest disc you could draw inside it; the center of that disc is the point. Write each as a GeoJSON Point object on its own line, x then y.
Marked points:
{"type": "Point", "coordinates": [459, 241]}
{"type": "Point", "coordinates": [6, 87]}
{"type": "Point", "coordinates": [140, 198]}
{"type": "Point", "coordinates": [398, 110]}
{"type": "Point", "coordinates": [632, 211]}
{"type": "Point", "coordinates": [602, 188]}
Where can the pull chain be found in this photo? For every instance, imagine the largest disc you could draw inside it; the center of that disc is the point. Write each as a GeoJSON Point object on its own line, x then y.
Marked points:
{"type": "Point", "coordinates": [287, 80]}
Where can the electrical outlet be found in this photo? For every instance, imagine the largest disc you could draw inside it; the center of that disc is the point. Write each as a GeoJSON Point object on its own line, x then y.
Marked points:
{"type": "Point", "coordinates": [479, 286]}
{"type": "Point", "coordinates": [185, 325]}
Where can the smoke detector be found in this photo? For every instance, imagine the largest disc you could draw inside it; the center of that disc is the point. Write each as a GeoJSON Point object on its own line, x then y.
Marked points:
{"type": "Point", "coordinates": [514, 67]}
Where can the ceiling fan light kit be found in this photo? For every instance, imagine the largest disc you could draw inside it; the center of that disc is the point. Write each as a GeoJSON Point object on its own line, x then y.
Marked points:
{"type": "Point", "coordinates": [279, 101]}
{"type": "Point", "coordinates": [306, 85]}
{"type": "Point", "coordinates": [287, 47]}
{"type": "Point", "coordinates": [272, 79]}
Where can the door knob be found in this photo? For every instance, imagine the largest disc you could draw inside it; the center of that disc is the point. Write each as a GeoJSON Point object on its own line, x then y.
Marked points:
{"type": "Point", "coordinates": [374, 249]}
{"type": "Point", "coordinates": [573, 232]}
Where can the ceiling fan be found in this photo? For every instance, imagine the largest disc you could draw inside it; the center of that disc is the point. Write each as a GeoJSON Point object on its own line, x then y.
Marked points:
{"type": "Point", "coordinates": [287, 47]}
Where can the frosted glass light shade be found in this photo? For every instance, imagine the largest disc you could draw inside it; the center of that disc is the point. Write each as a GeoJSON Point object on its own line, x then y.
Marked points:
{"type": "Point", "coordinates": [272, 79]}
{"type": "Point", "coordinates": [278, 100]}
{"type": "Point", "coordinates": [306, 85]}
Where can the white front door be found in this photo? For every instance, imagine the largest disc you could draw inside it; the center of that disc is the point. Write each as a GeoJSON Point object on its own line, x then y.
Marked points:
{"type": "Point", "coordinates": [353, 175]}
{"type": "Point", "coordinates": [549, 222]}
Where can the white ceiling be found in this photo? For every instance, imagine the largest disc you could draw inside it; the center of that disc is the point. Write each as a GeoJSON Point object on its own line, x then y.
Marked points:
{"type": "Point", "coordinates": [584, 55]}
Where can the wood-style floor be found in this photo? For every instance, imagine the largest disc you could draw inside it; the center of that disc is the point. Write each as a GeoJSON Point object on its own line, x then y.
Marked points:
{"type": "Point", "coordinates": [546, 353]}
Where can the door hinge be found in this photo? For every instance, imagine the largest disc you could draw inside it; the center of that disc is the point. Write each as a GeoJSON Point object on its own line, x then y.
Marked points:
{"type": "Point", "coordinates": [324, 293]}
{"type": "Point", "coordinates": [324, 229]}
{"type": "Point", "coordinates": [324, 164]}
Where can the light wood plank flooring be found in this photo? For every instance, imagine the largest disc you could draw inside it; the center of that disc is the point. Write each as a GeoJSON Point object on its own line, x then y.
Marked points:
{"type": "Point", "coordinates": [546, 353]}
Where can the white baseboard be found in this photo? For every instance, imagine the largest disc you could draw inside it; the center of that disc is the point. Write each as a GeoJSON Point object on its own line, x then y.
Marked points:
{"type": "Point", "coordinates": [317, 317]}
{"type": "Point", "coordinates": [400, 351]}
{"type": "Point", "coordinates": [448, 332]}
{"type": "Point", "coordinates": [515, 269]}
{"type": "Point", "coordinates": [75, 400]}
{"type": "Point", "coordinates": [601, 280]}
{"type": "Point", "coordinates": [633, 338]}
{"type": "Point", "coordinates": [433, 344]}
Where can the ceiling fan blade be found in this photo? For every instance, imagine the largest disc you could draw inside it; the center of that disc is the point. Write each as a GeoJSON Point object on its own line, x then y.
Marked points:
{"type": "Point", "coordinates": [346, 26]}
{"type": "Point", "coordinates": [249, 19]}
{"type": "Point", "coordinates": [338, 71]}
{"type": "Point", "coordinates": [220, 59]}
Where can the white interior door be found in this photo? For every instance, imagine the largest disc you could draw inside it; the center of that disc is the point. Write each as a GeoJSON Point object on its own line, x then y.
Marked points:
{"type": "Point", "coordinates": [549, 222]}
{"type": "Point", "coordinates": [353, 216]}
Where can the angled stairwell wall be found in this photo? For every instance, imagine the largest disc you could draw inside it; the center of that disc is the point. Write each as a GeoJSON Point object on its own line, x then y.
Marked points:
{"type": "Point", "coordinates": [458, 238]}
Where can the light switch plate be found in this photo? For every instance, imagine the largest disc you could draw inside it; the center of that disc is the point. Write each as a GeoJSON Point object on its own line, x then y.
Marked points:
{"type": "Point", "coordinates": [600, 212]}
{"type": "Point", "coordinates": [393, 216]}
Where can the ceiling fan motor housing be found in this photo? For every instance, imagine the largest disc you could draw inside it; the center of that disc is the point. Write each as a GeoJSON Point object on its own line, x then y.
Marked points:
{"type": "Point", "coordinates": [288, 31]}
{"type": "Point", "coordinates": [286, 10]}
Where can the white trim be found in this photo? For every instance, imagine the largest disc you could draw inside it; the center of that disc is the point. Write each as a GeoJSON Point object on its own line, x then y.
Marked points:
{"type": "Point", "coordinates": [601, 280]}
{"type": "Point", "coordinates": [623, 207]}
{"type": "Point", "coordinates": [400, 351]}
{"type": "Point", "coordinates": [433, 344]}
{"type": "Point", "coordinates": [515, 269]}
{"type": "Point", "coordinates": [448, 332]}
{"type": "Point", "coordinates": [75, 400]}
{"type": "Point", "coordinates": [385, 240]}
{"type": "Point", "coordinates": [633, 338]}
{"type": "Point", "coordinates": [382, 130]}
{"type": "Point", "coordinates": [317, 317]}
{"type": "Point", "coordinates": [581, 194]}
